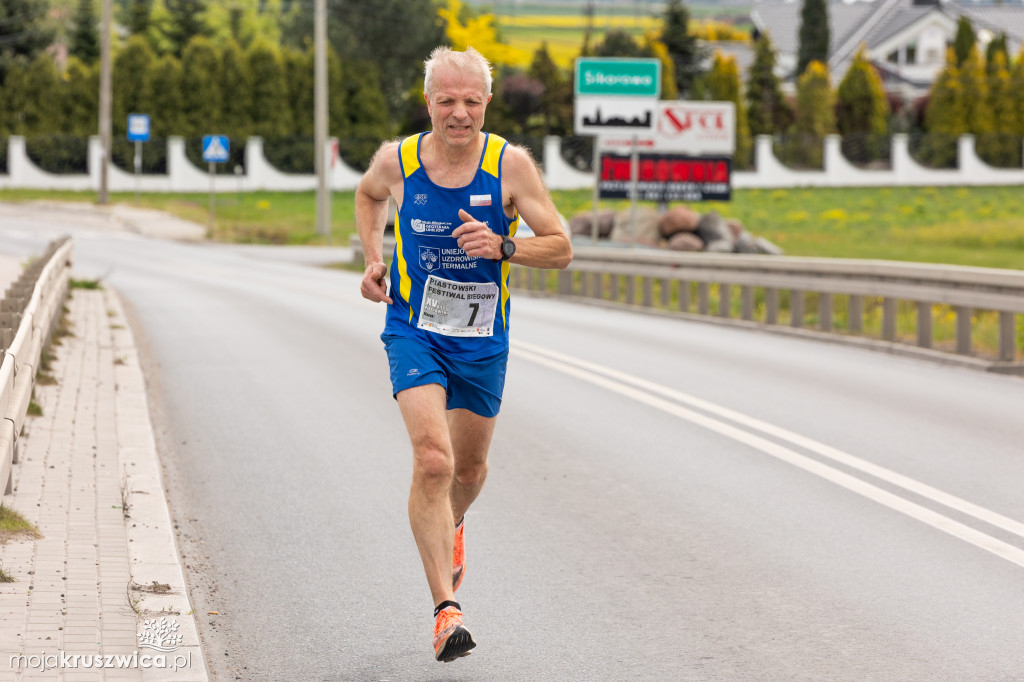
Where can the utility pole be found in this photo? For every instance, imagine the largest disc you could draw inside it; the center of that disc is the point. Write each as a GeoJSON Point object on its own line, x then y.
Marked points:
{"type": "Point", "coordinates": [323, 194]}
{"type": "Point", "coordinates": [105, 95]}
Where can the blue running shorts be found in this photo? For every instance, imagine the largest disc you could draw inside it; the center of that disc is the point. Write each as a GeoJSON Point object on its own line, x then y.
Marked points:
{"type": "Point", "coordinates": [474, 385]}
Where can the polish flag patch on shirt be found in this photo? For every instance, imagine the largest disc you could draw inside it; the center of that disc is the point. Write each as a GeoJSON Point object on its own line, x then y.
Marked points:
{"type": "Point", "coordinates": [479, 199]}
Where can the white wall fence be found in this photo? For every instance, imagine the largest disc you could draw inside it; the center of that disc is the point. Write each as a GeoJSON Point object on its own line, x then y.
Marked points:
{"type": "Point", "coordinates": [838, 172]}
{"type": "Point", "coordinates": [183, 176]}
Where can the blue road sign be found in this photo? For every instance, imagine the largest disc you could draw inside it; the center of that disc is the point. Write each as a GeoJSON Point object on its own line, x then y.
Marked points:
{"type": "Point", "coordinates": [216, 148]}
{"type": "Point", "coordinates": [138, 127]}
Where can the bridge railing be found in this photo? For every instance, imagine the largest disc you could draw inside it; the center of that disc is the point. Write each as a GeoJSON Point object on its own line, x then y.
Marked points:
{"type": "Point", "coordinates": [962, 315]}
{"type": "Point", "coordinates": [28, 314]}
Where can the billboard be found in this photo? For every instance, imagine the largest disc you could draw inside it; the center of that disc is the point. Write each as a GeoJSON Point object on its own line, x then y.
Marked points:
{"type": "Point", "coordinates": [666, 177]}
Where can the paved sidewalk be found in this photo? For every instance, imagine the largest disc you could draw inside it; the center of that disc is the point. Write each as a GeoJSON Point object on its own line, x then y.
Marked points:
{"type": "Point", "coordinates": [102, 580]}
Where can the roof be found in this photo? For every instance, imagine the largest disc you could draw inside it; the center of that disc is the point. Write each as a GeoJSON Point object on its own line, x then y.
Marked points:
{"type": "Point", "coordinates": [875, 22]}
{"type": "Point", "coordinates": [998, 19]}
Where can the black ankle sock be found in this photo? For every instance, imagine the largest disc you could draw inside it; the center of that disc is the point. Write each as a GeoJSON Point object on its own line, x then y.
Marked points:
{"type": "Point", "coordinates": [445, 604]}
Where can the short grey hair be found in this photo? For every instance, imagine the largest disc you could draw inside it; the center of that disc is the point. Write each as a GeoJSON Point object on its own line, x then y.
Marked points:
{"type": "Point", "coordinates": [470, 60]}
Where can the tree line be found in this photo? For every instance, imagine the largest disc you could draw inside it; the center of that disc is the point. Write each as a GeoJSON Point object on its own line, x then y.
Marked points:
{"type": "Point", "coordinates": [247, 69]}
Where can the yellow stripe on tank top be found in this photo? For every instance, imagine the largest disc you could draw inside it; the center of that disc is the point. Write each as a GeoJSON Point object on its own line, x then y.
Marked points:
{"type": "Point", "coordinates": [492, 155]}
{"type": "Point", "coordinates": [505, 267]}
{"type": "Point", "coordinates": [410, 162]}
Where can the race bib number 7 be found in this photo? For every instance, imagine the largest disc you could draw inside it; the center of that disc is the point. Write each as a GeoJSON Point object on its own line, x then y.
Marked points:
{"type": "Point", "coordinates": [458, 308]}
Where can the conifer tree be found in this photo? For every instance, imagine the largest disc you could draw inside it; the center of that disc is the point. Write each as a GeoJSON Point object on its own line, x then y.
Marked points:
{"type": "Point", "coordinates": [815, 114]}
{"type": "Point", "coordinates": [945, 117]}
{"type": "Point", "coordinates": [682, 46]}
{"type": "Point", "coordinates": [556, 101]}
{"type": "Point", "coordinates": [85, 36]}
{"type": "Point", "coordinates": [234, 77]}
{"type": "Point", "coordinates": [24, 32]}
{"type": "Point", "coordinates": [168, 117]}
{"type": "Point", "coordinates": [724, 86]}
{"type": "Point", "coordinates": [964, 41]}
{"type": "Point", "coordinates": [1017, 92]}
{"type": "Point", "coordinates": [814, 34]}
{"type": "Point", "coordinates": [34, 96]}
{"type": "Point", "coordinates": [298, 69]}
{"type": "Point", "coordinates": [80, 98]}
{"type": "Point", "coordinates": [132, 91]}
{"type": "Point", "coordinates": [977, 111]}
{"type": "Point", "coordinates": [186, 21]}
{"type": "Point", "coordinates": [996, 46]}
{"type": "Point", "coordinates": [862, 111]}
{"type": "Point", "coordinates": [200, 94]}
{"type": "Point", "coordinates": [269, 119]}
{"type": "Point", "coordinates": [14, 99]}
{"type": "Point", "coordinates": [767, 110]}
{"type": "Point", "coordinates": [1001, 148]}
{"type": "Point", "coordinates": [139, 12]}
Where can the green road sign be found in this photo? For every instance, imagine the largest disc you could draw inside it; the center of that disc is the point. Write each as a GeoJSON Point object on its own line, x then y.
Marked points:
{"type": "Point", "coordinates": [623, 77]}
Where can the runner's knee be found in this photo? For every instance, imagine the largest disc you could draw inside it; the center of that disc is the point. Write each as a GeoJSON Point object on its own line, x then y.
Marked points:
{"type": "Point", "coordinates": [432, 461]}
{"type": "Point", "coordinates": [470, 474]}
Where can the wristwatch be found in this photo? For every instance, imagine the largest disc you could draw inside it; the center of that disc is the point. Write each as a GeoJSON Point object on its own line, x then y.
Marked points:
{"type": "Point", "coordinates": [508, 247]}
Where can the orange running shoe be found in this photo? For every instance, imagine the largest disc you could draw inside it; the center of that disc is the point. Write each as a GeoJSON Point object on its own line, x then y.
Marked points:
{"type": "Point", "coordinates": [459, 555]}
{"type": "Point", "coordinates": [451, 638]}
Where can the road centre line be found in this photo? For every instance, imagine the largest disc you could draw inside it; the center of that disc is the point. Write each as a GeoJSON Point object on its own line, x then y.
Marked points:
{"type": "Point", "coordinates": [648, 393]}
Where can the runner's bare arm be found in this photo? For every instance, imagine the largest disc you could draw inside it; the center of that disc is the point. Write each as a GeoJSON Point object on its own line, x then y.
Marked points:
{"type": "Point", "coordinates": [372, 215]}
{"type": "Point", "coordinates": [523, 188]}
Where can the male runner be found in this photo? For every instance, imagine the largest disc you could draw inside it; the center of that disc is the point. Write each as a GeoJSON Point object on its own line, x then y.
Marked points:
{"type": "Point", "coordinates": [460, 194]}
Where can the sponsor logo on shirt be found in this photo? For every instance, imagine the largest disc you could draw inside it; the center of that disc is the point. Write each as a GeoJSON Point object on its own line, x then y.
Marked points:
{"type": "Point", "coordinates": [420, 200]}
{"type": "Point", "coordinates": [430, 258]}
{"type": "Point", "coordinates": [429, 226]}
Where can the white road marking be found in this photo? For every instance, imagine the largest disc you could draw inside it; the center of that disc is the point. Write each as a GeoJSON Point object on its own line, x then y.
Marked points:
{"type": "Point", "coordinates": [647, 392]}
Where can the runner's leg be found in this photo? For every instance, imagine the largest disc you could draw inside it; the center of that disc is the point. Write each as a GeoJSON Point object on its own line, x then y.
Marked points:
{"type": "Point", "coordinates": [430, 509]}
{"type": "Point", "coordinates": [471, 440]}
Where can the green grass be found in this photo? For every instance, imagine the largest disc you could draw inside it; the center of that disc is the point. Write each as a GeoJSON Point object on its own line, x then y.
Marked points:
{"type": "Point", "coordinates": [981, 226]}
{"type": "Point", "coordinates": [14, 526]}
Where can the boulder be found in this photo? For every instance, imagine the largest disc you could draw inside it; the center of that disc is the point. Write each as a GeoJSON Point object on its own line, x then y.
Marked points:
{"type": "Point", "coordinates": [720, 246]}
{"type": "Point", "coordinates": [766, 247]}
{"type": "Point", "coordinates": [581, 223]}
{"type": "Point", "coordinates": [713, 228]}
{"type": "Point", "coordinates": [736, 227]}
{"type": "Point", "coordinates": [679, 218]}
{"type": "Point", "coordinates": [685, 241]}
{"type": "Point", "coordinates": [745, 243]}
{"type": "Point", "coordinates": [646, 227]}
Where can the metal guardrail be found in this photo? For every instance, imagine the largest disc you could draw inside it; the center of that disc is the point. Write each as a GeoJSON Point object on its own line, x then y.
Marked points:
{"type": "Point", "coordinates": [28, 314]}
{"type": "Point", "coordinates": [773, 292]}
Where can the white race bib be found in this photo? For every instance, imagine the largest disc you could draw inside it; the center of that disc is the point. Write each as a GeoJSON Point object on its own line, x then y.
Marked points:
{"type": "Point", "coordinates": [458, 308]}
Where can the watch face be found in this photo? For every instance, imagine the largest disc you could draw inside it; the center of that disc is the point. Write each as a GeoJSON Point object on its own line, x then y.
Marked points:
{"type": "Point", "coordinates": [508, 248]}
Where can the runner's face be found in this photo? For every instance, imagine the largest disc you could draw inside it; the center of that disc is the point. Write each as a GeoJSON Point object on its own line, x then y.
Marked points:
{"type": "Point", "coordinates": [457, 107]}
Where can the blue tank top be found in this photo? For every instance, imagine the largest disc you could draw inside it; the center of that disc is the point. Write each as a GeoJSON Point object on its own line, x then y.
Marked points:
{"type": "Point", "coordinates": [442, 297]}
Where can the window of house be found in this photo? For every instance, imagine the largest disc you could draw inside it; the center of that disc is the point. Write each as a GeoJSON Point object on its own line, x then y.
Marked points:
{"type": "Point", "coordinates": [894, 57]}
{"type": "Point", "coordinates": [912, 53]}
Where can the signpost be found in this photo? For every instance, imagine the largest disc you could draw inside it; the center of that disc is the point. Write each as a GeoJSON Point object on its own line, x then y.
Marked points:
{"type": "Point", "coordinates": [138, 132]}
{"type": "Point", "coordinates": [616, 96]}
{"type": "Point", "coordinates": [216, 149]}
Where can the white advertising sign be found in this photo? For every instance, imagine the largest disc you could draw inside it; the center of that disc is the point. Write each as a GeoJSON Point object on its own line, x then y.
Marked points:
{"type": "Point", "coordinates": [619, 116]}
{"type": "Point", "coordinates": [686, 127]}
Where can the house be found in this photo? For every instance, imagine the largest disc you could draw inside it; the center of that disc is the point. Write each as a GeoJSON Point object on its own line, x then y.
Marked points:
{"type": "Point", "coordinates": [906, 40]}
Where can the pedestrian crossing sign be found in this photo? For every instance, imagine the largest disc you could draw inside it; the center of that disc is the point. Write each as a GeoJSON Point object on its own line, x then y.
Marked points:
{"type": "Point", "coordinates": [216, 148]}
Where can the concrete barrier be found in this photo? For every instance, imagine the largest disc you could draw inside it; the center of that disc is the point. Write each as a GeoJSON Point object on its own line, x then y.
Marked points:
{"type": "Point", "coordinates": [34, 301]}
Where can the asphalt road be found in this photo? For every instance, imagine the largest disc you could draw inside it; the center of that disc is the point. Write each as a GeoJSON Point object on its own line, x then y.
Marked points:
{"type": "Point", "coordinates": [667, 500]}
